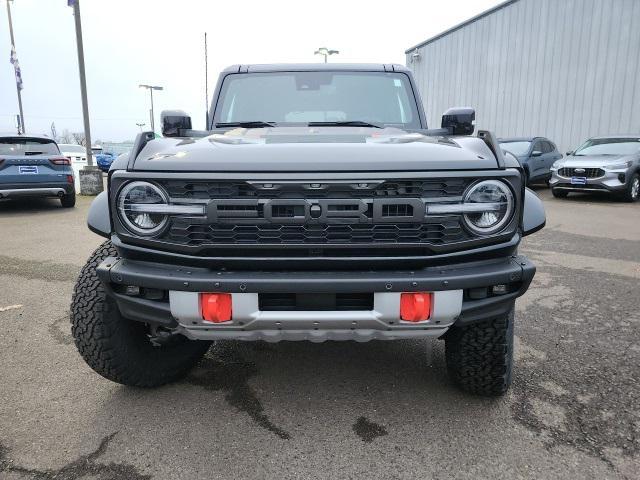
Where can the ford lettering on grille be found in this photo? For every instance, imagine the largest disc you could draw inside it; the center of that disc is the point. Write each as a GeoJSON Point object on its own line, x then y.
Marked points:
{"type": "Point", "coordinates": [317, 211]}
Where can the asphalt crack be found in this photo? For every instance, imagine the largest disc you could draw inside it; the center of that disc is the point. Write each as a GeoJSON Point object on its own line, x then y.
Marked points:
{"type": "Point", "coordinates": [82, 467]}
{"type": "Point", "coordinates": [55, 330]}
{"type": "Point", "coordinates": [227, 371]}
{"type": "Point", "coordinates": [583, 392]}
{"type": "Point", "coordinates": [367, 430]}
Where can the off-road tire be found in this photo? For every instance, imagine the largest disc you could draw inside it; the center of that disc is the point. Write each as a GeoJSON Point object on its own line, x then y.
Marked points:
{"type": "Point", "coordinates": [117, 348]}
{"type": "Point", "coordinates": [559, 193]}
{"type": "Point", "coordinates": [632, 194]}
{"type": "Point", "coordinates": [68, 200]}
{"type": "Point", "coordinates": [480, 355]}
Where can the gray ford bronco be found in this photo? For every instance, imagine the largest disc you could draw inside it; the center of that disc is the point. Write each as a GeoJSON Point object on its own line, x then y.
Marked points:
{"type": "Point", "coordinates": [316, 206]}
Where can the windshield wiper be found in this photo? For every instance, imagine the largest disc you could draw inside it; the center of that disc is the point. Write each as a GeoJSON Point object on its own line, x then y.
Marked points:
{"type": "Point", "coordinates": [347, 123]}
{"type": "Point", "coordinates": [248, 124]}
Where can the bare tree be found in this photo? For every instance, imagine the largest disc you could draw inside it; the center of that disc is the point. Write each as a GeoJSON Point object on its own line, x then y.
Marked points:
{"type": "Point", "coordinates": [66, 136]}
{"type": "Point", "coordinates": [79, 138]}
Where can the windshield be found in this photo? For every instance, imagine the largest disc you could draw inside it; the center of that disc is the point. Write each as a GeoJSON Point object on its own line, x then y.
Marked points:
{"type": "Point", "coordinates": [609, 146]}
{"type": "Point", "coordinates": [27, 146]}
{"type": "Point", "coordinates": [72, 148]}
{"type": "Point", "coordinates": [517, 148]}
{"type": "Point", "coordinates": [383, 98]}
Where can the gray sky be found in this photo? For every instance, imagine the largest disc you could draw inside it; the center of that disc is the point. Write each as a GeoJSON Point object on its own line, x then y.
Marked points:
{"type": "Point", "coordinates": [160, 42]}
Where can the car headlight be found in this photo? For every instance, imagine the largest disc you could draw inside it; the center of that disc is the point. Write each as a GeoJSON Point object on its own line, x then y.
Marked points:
{"type": "Point", "coordinates": [618, 166]}
{"type": "Point", "coordinates": [138, 204]}
{"type": "Point", "coordinates": [558, 164]}
{"type": "Point", "coordinates": [488, 206]}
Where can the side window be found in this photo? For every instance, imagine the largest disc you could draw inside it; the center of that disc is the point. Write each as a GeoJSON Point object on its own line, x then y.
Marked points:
{"type": "Point", "coordinates": [547, 147]}
{"type": "Point", "coordinates": [538, 146]}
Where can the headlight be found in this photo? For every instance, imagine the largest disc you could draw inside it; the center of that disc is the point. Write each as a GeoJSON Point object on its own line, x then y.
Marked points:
{"type": "Point", "coordinates": [489, 206]}
{"type": "Point", "coordinates": [138, 207]}
{"type": "Point", "coordinates": [557, 165]}
{"type": "Point", "coordinates": [618, 166]}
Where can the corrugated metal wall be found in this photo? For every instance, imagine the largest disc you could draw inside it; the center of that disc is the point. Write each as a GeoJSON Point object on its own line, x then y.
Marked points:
{"type": "Point", "coordinates": [564, 69]}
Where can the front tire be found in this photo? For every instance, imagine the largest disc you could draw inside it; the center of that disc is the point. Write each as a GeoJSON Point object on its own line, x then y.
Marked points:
{"type": "Point", "coordinates": [632, 192]}
{"type": "Point", "coordinates": [480, 355]}
{"type": "Point", "coordinates": [117, 348]}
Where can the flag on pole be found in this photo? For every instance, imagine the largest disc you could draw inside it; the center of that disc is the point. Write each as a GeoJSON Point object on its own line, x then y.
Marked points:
{"type": "Point", "coordinates": [71, 3]}
{"type": "Point", "coordinates": [16, 67]}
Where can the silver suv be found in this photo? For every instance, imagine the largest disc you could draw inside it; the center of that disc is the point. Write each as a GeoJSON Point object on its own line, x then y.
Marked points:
{"type": "Point", "coordinates": [602, 164]}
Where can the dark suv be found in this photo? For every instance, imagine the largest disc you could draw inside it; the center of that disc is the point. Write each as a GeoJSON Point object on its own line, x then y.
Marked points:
{"type": "Point", "coordinates": [317, 206]}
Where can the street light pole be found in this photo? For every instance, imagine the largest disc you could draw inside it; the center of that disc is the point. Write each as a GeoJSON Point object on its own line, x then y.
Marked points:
{"type": "Point", "coordinates": [325, 52]}
{"type": "Point", "coordinates": [151, 88]}
{"type": "Point", "coordinates": [18, 84]}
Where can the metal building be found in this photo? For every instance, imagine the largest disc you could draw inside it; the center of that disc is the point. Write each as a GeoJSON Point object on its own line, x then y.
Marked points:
{"type": "Point", "coordinates": [564, 69]}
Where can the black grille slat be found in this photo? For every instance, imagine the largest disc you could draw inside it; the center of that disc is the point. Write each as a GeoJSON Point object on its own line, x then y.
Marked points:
{"type": "Point", "coordinates": [587, 173]}
{"type": "Point", "coordinates": [324, 234]}
{"type": "Point", "coordinates": [431, 188]}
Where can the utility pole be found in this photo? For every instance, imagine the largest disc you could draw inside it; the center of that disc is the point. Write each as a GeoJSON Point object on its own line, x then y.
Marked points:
{"type": "Point", "coordinates": [151, 88]}
{"type": "Point", "coordinates": [14, 61]}
{"type": "Point", "coordinates": [90, 175]}
{"type": "Point", "coordinates": [83, 79]}
{"type": "Point", "coordinates": [206, 82]}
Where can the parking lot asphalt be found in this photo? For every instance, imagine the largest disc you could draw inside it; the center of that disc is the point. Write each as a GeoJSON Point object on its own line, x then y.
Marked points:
{"type": "Point", "coordinates": [332, 410]}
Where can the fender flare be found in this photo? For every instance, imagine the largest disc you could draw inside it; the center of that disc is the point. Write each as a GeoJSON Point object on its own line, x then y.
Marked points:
{"type": "Point", "coordinates": [534, 217]}
{"type": "Point", "coordinates": [99, 220]}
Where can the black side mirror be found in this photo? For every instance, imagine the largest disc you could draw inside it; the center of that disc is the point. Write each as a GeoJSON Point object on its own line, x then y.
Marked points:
{"type": "Point", "coordinates": [459, 120]}
{"type": "Point", "coordinates": [536, 153]}
{"type": "Point", "coordinates": [174, 123]}
{"type": "Point", "coordinates": [569, 153]}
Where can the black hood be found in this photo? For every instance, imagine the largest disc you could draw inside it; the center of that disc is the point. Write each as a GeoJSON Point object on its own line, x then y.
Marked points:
{"type": "Point", "coordinates": [315, 149]}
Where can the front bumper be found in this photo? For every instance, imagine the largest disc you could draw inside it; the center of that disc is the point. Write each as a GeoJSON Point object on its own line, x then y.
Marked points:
{"type": "Point", "coordinates": [458, 298]}
{"type": "Point", "coordinates": [612, 181]}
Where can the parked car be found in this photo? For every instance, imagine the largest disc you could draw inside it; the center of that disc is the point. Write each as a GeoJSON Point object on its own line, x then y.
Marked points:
{"type": "Point", "coordinates": [358, 224]}
{"type": "Point", "coordinates": [33, 166]}
{"type": "Point", "coordinates": [104, 160]}
{"type": "Point", "coordinates": [608, 164]}
{"type": "Point", "coordinates": [77, 155]}
{"type": "Point", "coordinates": [536, 155]}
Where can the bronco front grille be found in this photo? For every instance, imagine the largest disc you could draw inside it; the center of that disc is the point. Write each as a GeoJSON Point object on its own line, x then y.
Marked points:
{"type": "Point", "coordinates": [437, 232]}
{"type": "Point", "coordinates": [581, 172]}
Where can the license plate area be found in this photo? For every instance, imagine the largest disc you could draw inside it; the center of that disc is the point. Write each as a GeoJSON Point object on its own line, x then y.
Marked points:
{"type": "Point", "coordinates": [578, 180]}
{"type": "Point", "coordinates": [300, 302]}
{"type": "Point", "coordinates": [28, 169]}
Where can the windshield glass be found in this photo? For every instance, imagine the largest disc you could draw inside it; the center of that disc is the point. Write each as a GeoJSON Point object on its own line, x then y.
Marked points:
{"type": "Point", "coordinates": [610, 146]}
{"type": "Point", "coordinates": [517, 148]}
{"type": "Point", "coordinates": [72, 148]}
{"type": "Point", "coordinates": [382, 98]}
{"type": "Point", "coordinates": [27, 146]}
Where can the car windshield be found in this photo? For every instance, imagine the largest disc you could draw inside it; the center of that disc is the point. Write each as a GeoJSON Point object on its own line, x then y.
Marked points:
{"type": "Point", "coordinates": [609, 146]}
{"type": "Point", "coordinates": [382, 98]}
{"type": "Point", "coordinates": [20, 146]}
{"type": "Point", "coordinates": [72, 148]}
{"type": "Point", "coordinates": [517, 148]}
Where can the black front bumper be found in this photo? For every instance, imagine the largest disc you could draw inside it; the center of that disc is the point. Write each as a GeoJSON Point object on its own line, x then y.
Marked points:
{"type": "Point", "coordinates": [516, 272]}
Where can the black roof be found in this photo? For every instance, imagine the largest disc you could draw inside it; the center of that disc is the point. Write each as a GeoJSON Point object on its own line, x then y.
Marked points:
{"type": "Point", "coordinates": [310, 67]}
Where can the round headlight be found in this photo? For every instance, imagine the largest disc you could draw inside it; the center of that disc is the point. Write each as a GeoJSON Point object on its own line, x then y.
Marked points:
{"type": "Point", "coordinates": [135, 206]}
{"type": "Point", "coordinates": [489, 206]}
